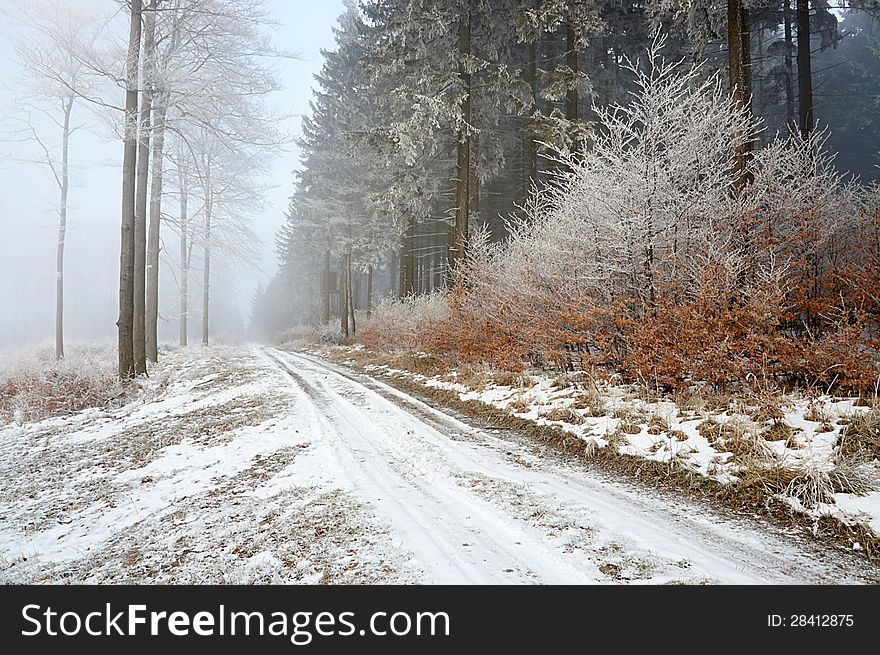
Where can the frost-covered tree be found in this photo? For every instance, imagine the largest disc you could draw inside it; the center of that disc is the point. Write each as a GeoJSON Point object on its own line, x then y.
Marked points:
{"type": "Point", "coordinates": [48, 48]}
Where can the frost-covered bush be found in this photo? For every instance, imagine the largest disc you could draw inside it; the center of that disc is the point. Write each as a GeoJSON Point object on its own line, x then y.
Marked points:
{"type": "Point", "coordinates": [653, 254]}
{"type": "Point", "coordinates": [34, 385]}
{"type": "Point", "coordinates": [405, 324]}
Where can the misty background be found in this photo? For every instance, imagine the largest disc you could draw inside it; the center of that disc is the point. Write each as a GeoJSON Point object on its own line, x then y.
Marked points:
{"type": "Point", "coordinates": [847, 102]}
{"type": "Point", "coordinates": [29, 198]}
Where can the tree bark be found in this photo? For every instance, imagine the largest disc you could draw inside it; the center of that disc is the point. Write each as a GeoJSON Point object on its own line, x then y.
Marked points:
{"type": "Point", "coordinates": [531, 144]}
{"type": "Point", "coordinates": [407, 259]}
{"type": "Point", "coordinates": [571, 60]}
{"type": "Point", "coordinates": [459, 240]}
{"type": "Point", "coordinates": [369, 292]}
{"type": "Point", "coordinates": [325, 290]}
{"type": "Point", "coordinates": [343, 297]}
{"type": "Point", "coordinates": [140, 239]}
{"type": "Point", "coordinates": [804, 66]}
{"type": "Point", "coordinates": [789, 74]}
{"type": "Point", "coordinates": [125, 323]}
{"type": "Point", "coordinates": [409, 271]}
{"type": "Point", "coordinates": [153, 244]}
{"type": "Point", "coordinates": [62, 229]}
{"type": "Point", "coordinates": [349, 290]}
{"type": "Point", "coordinates": [206, 279]}
{"type": "Point", "coordinates": [394, 277]}
{"type": "Point", "coordinates": [739, 67]}
{"type": "Point", "coordinates": [140, 210]}
{"type": "Point", "coordinates": [184, 253]}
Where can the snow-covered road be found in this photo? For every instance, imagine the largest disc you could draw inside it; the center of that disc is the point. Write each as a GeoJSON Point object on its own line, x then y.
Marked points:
{"type": "Point", "coordinates": [480, 507]}
{"type": "Point", "coordinates": [251, 465]}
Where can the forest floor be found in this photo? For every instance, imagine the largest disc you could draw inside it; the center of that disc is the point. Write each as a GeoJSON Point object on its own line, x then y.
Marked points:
{"type": "Point", "coordinates": [257, 465]}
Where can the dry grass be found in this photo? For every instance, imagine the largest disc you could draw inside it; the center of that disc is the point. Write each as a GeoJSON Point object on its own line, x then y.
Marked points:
{"type": "Point", "coordinates": [768, 406]}
{"type": "Point", "coordinates": [616, 439]}
{"type": "Point", "coordinates": [862, 434]}
{"type": "Point", "coordinates": [763, 480]}
{"type": "Point", "coordinates": [629, 427]}
{"type": "Point", "coordinates": [779, 431]}
{"type": "Point", "coordinates": [854, 473]}
{"type": "Point", "coordinates": [512, 380]}
{"type": "Point", "coordinates": [811, 487]}
{"type": "Point", "coordinates": [34, 385]}
{"type": "Point", "coordinates": [690, 402]}
{"type": "Point", "coordinates": [567, 381]}
{"type": "Point", "coordinates": [591, 400]}
{"type": "Point", "coordinates": [563, 414]}
{"type": "Point", "coordinates": [658, 425]}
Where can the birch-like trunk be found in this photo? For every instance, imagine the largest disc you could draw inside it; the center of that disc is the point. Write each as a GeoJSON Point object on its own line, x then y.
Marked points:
{"type": "Point", "coordinates": [206, 280]}
{"type": "Point", "coordinates": [184, 253]}
{"type": "Point", "coordinates": [67, 104]}
{"type": "Point", "coordinates": [153, 243]}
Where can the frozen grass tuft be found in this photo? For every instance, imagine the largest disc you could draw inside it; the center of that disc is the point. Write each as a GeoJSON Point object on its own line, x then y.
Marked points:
{"type": "Point", "coordinates": [402, 324]}
{"type": "Point", "coordinates": [862, 433]}
{"type": "Point", "coordinates": [34, 385]}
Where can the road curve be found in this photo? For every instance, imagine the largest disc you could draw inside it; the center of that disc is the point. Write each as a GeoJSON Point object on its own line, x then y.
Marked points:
{"type": "Point", "coordinates": [487, 507]}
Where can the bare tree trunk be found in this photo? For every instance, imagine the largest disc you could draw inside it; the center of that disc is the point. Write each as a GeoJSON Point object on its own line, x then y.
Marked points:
{"type": "Point", "coordinates": [184, 253]}
{"type": "Point", "coordinates": [532, 145]}
{"type": "Point", "coordinates": [349, 290]}
{"type": "Point", "coordinates": [571, 60]}
{"type": "Point", "coordinates": [393, 277]}
{"type": "Point", "coordinates": [401, 269]}
{"type": "Point", "coordinates": [739, 66]}
{"type": "Point", "coordinates": [438, 270]}
{"type": "Point", "coordinates": [369, 292]}
{"type": "Point", "coordinates": [325, 290]}
{"type": "Point", "coordinates": [206, 280]}
{"type": "Point", "coordinates": [152, 327]}
{"type": "Point", "coordinates": [140, 209]}
{"type": "Point", "coordinates": [805, 73]}
{"type": "Point", "coordinates": [343, 297]}
{"type": "Point", "coordinates": [407, 259]}
{"type": "Point", "coordinates": [62, 229]}
{"type": "Point", "coordinates": [140, 240]}
{"type": "Point", "coordinates": [789, 74]}
{"type": "Point", "coordinates": [458, 243]}
{"type": "Point", "coordinates": [356, 289]}
{"type": "Point", "coordinates": [125, 323]}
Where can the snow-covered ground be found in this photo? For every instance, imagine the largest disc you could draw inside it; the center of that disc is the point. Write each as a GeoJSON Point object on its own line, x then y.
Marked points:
{"type": "Point", "coordinates": [713, 442]}
{"type": "Point", "coordinates": [256, 465]}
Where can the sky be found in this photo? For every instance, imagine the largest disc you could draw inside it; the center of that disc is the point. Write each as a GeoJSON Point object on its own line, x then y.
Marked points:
{"type": "Point", "coordinates": [28, 201]}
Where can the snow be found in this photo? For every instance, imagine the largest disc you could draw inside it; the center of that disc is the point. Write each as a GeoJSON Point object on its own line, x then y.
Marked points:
{"type": "Point", "coordinates": [864, 509]}
{"type": "Point", "coordinates": [251, 465]}
{"type": "Point", "coordinates": [808, 450]}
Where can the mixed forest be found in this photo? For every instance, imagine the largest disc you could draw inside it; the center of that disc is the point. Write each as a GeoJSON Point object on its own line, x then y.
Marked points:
{"type": "Point", "coordinates": [671, 191]}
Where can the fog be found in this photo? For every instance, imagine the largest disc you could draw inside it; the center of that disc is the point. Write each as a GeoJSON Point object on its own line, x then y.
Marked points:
{"type": "Point", "coordinates": [29, 199]}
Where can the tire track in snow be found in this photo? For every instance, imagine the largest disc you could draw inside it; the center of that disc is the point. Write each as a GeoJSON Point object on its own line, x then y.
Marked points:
{"type": "Point", "coordinates": [456, 538]}
{"type": "Point", "coordinates": [414, 464]}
